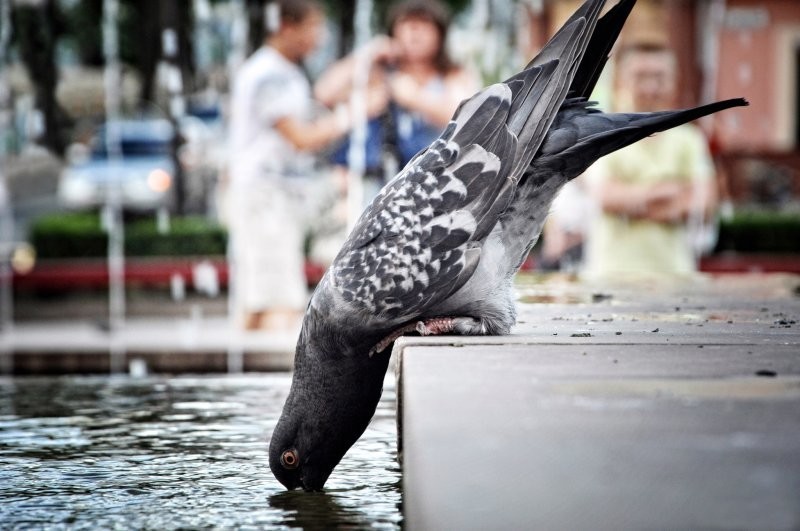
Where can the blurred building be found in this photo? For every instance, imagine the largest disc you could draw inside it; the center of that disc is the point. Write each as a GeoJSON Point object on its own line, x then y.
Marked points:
{"type": "Point", "coordinates": [725, 49]}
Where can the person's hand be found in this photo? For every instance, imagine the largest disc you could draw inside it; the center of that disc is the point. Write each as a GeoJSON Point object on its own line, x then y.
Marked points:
{"type": "Point", "coordinates": [664, 192]}
{"type": "Point", "coordinates": [668, 202]}
{"type": "Point", "coordinates": [383, 50]}
{"type": "Point", "coordinates": [405, 91]}
{"type": "Point", "coordinates": [377, 99]}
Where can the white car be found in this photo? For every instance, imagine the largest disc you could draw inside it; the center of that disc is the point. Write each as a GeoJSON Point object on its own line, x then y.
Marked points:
{"type": "Point", "coordinates": [144, 174]}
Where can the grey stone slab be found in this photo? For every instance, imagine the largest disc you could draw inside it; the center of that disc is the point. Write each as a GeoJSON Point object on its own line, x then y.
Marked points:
{"type": "Point", "coordinates": [552, 362]}
{"type": "Point", "coordinates": [149, 335]}
{"type": "Point", "coordinates": [623, 437]}
{"type": "Point", "coordinates": [586, 332]}
{"type": "Point", "coordinates": [168, 345]}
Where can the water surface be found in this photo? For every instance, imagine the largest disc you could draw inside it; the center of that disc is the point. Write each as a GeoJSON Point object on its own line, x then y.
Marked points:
{"type": "Point", "coordinates": [166, 453]}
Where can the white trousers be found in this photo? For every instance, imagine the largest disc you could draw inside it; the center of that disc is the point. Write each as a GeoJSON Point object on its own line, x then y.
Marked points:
{"type": "Point", "coordinates": [267, 234]}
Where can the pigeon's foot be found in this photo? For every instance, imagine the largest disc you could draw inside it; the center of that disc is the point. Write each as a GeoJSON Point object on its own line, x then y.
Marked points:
{"type": "Point", "coordinates": [466, 326]}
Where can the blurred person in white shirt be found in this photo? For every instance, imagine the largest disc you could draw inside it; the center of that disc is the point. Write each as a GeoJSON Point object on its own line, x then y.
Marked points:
{"type": "Point", "coordinates": [273, 135]}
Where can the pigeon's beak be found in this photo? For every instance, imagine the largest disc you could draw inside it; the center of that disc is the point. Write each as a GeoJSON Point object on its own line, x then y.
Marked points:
{"type": "Point", "coordinates": [291, 485]}
{"type": "Point", "coordinates": [308, 486]}
{"type": "Point", "coordinates": [290, 481]}
{"type": "Point", "coordinates": [301, 483]}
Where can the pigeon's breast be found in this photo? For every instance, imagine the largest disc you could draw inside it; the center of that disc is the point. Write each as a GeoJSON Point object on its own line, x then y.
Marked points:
{"type": "Point", "coordinates": [489, 293]}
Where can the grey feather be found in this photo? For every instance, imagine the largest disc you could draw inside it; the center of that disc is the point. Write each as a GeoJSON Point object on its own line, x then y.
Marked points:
{"type": "Point", "coordinates": [444, 238]}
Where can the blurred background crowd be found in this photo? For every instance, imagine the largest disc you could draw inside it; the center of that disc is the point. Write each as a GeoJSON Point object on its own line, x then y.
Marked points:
{"type": "Point", "coordinates": [192, 145]}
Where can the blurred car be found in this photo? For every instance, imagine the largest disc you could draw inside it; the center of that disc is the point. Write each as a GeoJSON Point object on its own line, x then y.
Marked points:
{"type": "Point", "coordinates": [145, 172]}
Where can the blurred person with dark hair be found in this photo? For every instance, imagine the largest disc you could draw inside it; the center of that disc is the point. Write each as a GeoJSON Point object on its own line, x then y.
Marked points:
{"type": "Point", "coordinates": [272, 135]}
{"type": "Point", "coordinates": [649, 193]}
{"type": "Point", "coordinates": [414, 87]}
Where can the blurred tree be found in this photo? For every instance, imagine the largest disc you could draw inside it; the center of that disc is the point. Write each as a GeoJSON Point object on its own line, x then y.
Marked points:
{"type": "Point", "coordinates": [38, 24]}
{"type": "Point", "coordinates": [82, 27]}
{"type": "Point", "coordinates": [142, 23]}
{"type": "Point", "coordinates": [140, 27]}
{"type": "Point", "coordinates": [255, 24]}
{"type": "Point", "coordinates": [36, 27]}
{"type": "Point", "coordinates": [140, 42]}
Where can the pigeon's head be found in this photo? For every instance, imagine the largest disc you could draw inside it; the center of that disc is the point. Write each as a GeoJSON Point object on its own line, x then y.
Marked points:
{"type": "Point", "coordinates": [335, 390]}
{"type": "Point", "coordinates": [297, 457]}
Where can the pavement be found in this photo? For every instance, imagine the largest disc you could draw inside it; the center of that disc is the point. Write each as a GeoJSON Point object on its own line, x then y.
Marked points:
{"type": "Point", "coordinates": [194, 344]}
{"type": "Point", "coordinates": [642, 406]}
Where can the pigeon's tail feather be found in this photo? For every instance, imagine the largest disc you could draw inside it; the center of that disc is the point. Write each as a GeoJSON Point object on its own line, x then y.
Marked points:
{"type": "Point", "coordinates": [525, 105]}
{"type": "Point", "coordinates": [628, 128]}
{"type": "Point", "coordinates": [661, 121]}
{"type": "Point", "coordinates": [555, 47]}
{"type": "Point", "coordinates": [603, 38]}
{"type": "Point", "coordinates": [532, 107]}
{"type": "Point", "coordinates": [533, 111]}
{"type": "Point", "coordinates": [473, 119]}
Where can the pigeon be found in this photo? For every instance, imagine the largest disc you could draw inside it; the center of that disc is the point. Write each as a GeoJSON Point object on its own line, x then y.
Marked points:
{"type": "Point", "coordinates": [436, 250]}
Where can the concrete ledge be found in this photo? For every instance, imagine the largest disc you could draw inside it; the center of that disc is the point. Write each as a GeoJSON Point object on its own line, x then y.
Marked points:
{"type": "Point", "coordinates": [38, 363]}
{"type": "Point", "coordinates": [673, 409]}
{"type": "Point", "coordinates": [548, 438]}
{"type": "Point", "coordinates": [162, 345]}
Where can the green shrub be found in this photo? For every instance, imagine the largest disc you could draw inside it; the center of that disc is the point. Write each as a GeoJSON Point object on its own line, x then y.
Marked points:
{"type": "Point", "coordinates": [69, 235]}
{"type": "Point", "coordinates": [761, 232]}
{"type": "Point", "coordinates": [187, 236]}
{"type": "Point", "coordinates": [80, 235]}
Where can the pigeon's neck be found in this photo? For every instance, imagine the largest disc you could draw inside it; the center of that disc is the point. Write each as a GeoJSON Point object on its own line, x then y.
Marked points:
{"type": "Point", "coordinates": [334, 337]}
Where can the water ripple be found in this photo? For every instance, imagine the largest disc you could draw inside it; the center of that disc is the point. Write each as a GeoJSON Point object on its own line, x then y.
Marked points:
{"type": "Point", "coordinates": [161, 453]}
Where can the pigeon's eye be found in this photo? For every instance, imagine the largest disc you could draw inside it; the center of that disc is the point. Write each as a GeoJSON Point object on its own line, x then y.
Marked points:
{"type": "Point", "coordinates": [290, 459]}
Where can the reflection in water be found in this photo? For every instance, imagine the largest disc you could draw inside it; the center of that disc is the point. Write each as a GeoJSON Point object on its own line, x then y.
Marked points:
{"type": "Point", "coordinates": [182, 452]}
{"type": "Point", "coordinates": [314, 510]}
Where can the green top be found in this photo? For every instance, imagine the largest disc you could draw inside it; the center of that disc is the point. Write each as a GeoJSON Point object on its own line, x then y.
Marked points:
{"type": "Point", "coordinates": [617, 245]}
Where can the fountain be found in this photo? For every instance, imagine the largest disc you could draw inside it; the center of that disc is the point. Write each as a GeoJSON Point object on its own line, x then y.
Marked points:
{"type": "Point", "coordinates": [6, 212]}
{"type": "Point", "coordinates": [112, 210]}
{"type": "Point", "coordinates": [357, 153]}
{"type": "Point", "coordinates": [235, 353]}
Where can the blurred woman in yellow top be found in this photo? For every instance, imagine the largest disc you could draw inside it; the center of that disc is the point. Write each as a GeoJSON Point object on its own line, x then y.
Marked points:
{"type": "Point", "coordinates": [650, 192]}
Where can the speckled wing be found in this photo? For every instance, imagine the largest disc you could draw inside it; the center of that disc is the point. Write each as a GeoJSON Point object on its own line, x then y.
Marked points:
{"type": "Point", "coordinates": [420, 238]}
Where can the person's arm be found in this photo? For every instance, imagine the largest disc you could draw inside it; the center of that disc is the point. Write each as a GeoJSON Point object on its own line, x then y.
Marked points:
{"type": "Point", "coordinates": [688, 198]}
{"type": "Point", "coordinates": [664, 202]}
{"type": "Point", "coordinates": [437, 109]}
{"type": "Point", "coordinates": [622, 199]}
{"type": "Point", "coordinates": [335, 84]}
{"type": "Point", "coordinates": [696, 194]}
{"type": "Point", "coordinates": [669, 202]}
{"type": "Point", "coordinates": [312, 136]}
